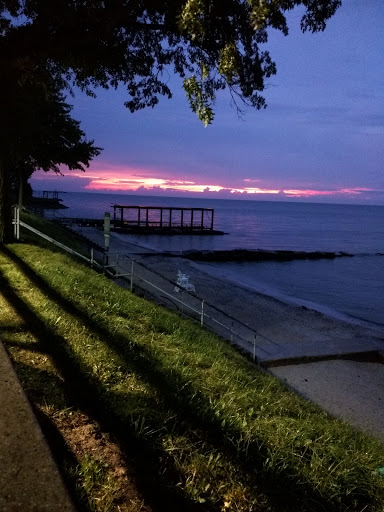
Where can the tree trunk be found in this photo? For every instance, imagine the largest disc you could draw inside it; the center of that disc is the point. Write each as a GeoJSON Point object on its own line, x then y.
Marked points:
{"type": "Point", "coordinates": [6, 231]}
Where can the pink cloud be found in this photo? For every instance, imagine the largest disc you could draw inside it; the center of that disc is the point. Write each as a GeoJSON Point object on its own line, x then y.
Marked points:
{"type": "Point", "coordinates": [119, 178]}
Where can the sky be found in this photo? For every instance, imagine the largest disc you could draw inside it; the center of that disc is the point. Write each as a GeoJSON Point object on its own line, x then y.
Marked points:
{"type": "Point", "coordinates": [321, 138]}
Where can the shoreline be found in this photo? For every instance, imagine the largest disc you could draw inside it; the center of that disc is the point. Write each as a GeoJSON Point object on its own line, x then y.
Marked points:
{"type": "Point", "coordinates": [330, 299]}
{"type": "Point", "coordinates": [259, 288]}
{"type": "Point", "coordinates": [275, 319]}
{"type": "Point", "coordinates": [299, 302]}
{"type": "Point", "coordinates": [169, 263]}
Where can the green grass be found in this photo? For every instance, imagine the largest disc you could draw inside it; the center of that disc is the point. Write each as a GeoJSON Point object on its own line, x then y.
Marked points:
{"type": "Point", "coordinates": [202, 427]}
{"type": "Point", "coordinates": [94, 485]}
{"type": "Point", "coordinates": [55, 231]}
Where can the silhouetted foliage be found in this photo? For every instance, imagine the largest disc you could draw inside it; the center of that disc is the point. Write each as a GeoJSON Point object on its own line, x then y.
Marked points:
{"type": "Point", "coordinates": [41, 134]}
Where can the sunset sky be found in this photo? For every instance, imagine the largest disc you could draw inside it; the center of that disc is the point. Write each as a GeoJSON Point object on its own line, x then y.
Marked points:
{"type": "Point", "coordinates": [320, 139]}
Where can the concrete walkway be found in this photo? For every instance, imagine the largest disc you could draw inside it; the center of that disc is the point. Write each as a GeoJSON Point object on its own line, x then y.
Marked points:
{"type": "Point", "coordinates": [350, 390]}
{"type": "Point", "coordinates": [29, 478]}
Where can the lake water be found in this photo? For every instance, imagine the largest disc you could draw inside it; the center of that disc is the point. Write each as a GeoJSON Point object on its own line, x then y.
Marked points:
{"type": "Point", "coordinates": [353, 287]}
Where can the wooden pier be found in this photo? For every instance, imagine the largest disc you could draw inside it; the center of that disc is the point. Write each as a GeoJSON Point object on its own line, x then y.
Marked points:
{"type": "Point", "coordinates": [163, 220]}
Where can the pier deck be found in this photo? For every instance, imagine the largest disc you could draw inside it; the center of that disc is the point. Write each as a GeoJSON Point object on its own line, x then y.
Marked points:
{"type": "Point", "coordinates": [163, 220]}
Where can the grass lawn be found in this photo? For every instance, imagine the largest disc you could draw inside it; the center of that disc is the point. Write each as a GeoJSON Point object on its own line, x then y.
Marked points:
{"type": "Point", "coordinates": [149, 412]}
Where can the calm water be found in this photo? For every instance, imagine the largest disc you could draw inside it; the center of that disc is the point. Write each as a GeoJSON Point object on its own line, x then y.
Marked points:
{"type": "Point", "coordinates": [347, 286]}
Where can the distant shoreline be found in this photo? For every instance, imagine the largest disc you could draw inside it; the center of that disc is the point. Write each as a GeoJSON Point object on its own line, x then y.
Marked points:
{"type": "Point", "coordinates": [46, 203]}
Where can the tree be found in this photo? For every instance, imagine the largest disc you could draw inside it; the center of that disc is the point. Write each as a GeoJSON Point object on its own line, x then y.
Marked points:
{"type": "Point", "coordinates": [211, 44]}
{"type": "Point", "coordinates": [50, 138]}
{"type": "Point", "coordinates": [41, 135]}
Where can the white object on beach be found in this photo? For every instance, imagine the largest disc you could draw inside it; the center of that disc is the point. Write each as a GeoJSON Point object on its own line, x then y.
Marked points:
{"type": "Point", "coordinates": [183, 282]}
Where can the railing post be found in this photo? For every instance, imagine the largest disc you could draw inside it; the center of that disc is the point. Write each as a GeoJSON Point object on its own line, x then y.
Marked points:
{"type": "Point", "coordinates": [131, 286]}
{"type": "Point", "coordinates": [254, 348]}
{"type": "Point", "coordinates": [202, 313]}
{"type": "Point", "coordinates": [92, 257]}
{"type": "Point", "coordinates": [18, 223]}
{"type": "Point", "coordinates": [232, 331]}
{"type": "Point", "coordinates": [16, 230]}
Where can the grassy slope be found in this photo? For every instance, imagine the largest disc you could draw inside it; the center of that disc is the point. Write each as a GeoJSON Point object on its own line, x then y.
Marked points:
{"type": "Point", "coordinates": [201, 426]}
{"type": "Point", "coordinates": [67, 237]}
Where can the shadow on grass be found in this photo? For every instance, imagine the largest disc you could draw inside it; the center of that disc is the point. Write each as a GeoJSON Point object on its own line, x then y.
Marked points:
{"type": "Point", "coordinates": [83, 391]}
{"type": "Point", "coordinates": [282, 488]}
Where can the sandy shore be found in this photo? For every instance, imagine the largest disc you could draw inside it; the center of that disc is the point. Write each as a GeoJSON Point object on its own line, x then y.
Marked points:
{"type": "Point", "coordinates": [329, 361]}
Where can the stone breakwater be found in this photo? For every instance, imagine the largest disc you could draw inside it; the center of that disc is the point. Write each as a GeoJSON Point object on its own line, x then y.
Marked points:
{"type": "Point", "coordinates": [260, 255]}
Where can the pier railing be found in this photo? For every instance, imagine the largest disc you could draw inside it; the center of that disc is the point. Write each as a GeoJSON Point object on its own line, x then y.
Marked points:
{"type": "Point", "coordinates": [162, 218]}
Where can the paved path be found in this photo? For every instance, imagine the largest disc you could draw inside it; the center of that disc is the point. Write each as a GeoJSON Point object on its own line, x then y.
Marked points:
{"type": "Point", "coordinates": [351, 390]}
{"type": "Point", "coordinates": [29, 478]}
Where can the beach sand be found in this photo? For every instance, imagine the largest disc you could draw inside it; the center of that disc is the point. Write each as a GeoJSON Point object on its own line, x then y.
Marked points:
{"type": "Point", "coordinates": [327, 360]}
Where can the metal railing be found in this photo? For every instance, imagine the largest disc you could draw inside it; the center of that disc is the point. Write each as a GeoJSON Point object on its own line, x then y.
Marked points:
{"type": "Point", "coordinates": [163, 290]}
{"type": "Point", "coordinates": [91, 260]}
{"type": "Point", "coordinates": [146, 281]}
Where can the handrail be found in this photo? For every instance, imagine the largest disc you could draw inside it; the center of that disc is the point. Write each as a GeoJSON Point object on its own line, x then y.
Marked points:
{"type": "Point", "coordinates": [202, 314]}
{"type": "Point", "coordinates": [59, 244]}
